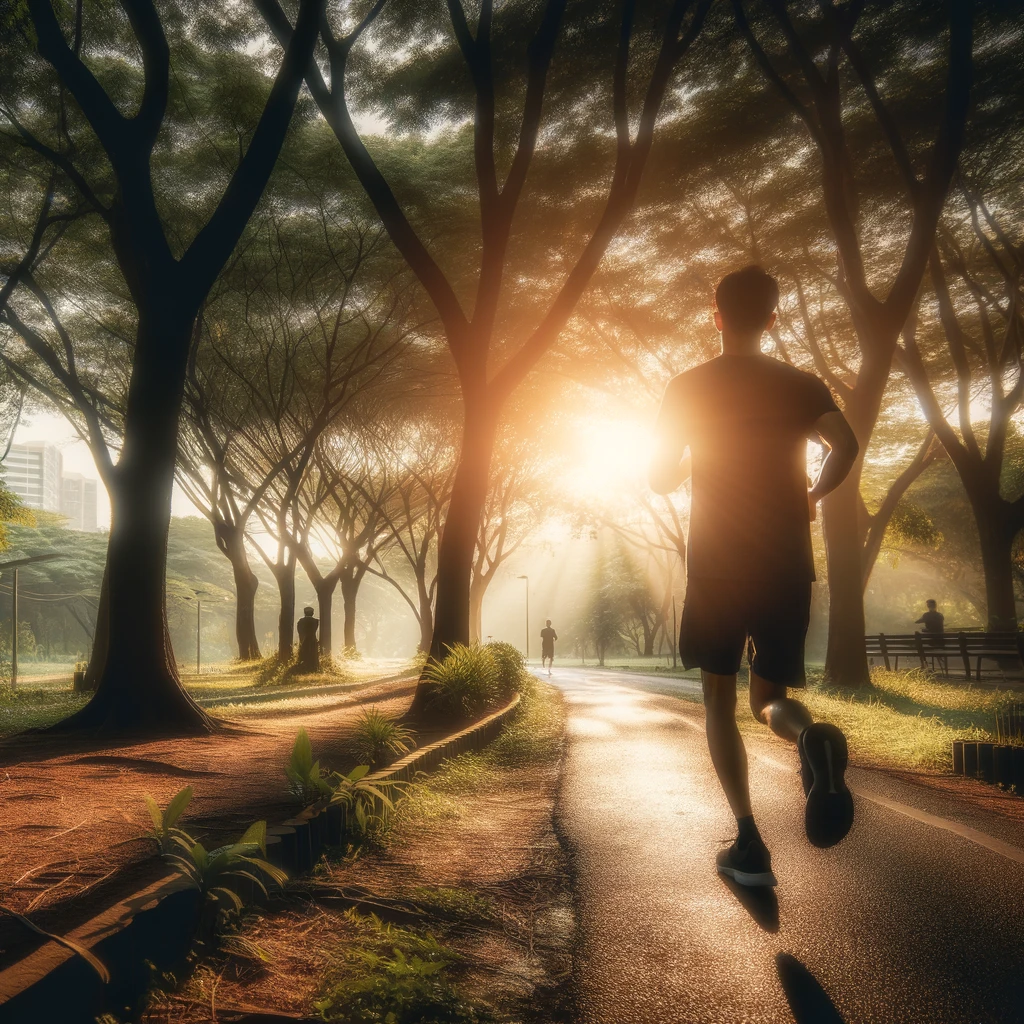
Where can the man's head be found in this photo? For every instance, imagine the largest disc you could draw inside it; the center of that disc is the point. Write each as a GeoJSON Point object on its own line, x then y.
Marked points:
{"type": "Point", "coordinates": [307, 610]}
{"type": "Point", "coordinates": [745, 302]}
{"type": "Point", "coordinates": [930, 605]}
{"type": "Point", "coordinates": [547, 622]}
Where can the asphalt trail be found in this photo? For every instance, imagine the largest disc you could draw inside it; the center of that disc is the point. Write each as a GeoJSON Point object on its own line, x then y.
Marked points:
{"type": "Point", "coordinates": [910, 919]}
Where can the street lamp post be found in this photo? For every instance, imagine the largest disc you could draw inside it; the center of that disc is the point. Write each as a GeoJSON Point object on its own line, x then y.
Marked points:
{"type": "Point", "coordinates": [527, 578]}
{"type": "Point", "coordinates": [199, 621]}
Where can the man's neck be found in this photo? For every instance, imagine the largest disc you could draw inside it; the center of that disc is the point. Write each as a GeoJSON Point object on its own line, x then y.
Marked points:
{"type": "Point", "coordinates": [741, 344]}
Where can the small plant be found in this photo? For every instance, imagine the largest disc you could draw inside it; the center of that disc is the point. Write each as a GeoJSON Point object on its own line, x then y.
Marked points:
{"type": "Point", "coordinates": [511, 667]}
{"type": "Point", "coordinates": [464, 682]}
{"type": "Point", "coordinates": [308, 782]}
{"type": "Point", "coordinates": [212, 872]}
{"type": "Point", "coordinates": [164, 832]}
{"type": "Point", "coordinates": [379, 735]}
{"type": "Point", "coordinates": [357, 795]}
{"type": "Point", "coordinates": [399, 976]}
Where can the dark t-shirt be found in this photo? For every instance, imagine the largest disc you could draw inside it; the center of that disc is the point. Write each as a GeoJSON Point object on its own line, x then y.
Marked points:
{"type": "Point", "coordinates": [934, 622]}
{"type": "Point", "coordinates": [746, 420]}
{"type": "Point", "coordinates": [548, 637]}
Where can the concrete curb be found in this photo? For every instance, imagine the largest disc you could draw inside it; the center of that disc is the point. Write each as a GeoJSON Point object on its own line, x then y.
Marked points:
{"type": "Point", "coordinates": [156, 925]}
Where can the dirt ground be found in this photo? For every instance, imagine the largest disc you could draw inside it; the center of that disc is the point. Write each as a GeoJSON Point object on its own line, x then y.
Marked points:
{"type": "Point", "coordinates": [72, 813]}
{"type": "Point", "coordinates": [494, 847]}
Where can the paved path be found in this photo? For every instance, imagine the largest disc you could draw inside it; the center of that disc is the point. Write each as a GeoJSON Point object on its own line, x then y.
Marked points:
{"type": "Point", "coordinates": [918, 916]}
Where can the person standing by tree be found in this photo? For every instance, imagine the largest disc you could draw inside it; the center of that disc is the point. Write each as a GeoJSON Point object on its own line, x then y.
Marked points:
{"type": "Point", "coordinates": [745, 418]}
{"type": "Point", "coordinates": [547, 646]}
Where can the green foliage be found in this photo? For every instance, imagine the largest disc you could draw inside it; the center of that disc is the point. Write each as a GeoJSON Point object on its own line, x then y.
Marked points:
{"type": "Point", "coordinates": [396, 975]}
{"type": "Point", "coordinates": [22, 709]}
{"type": "Point", "coordinates": [12, 511]}
{"type": "Point", "coordinates": [308, 782]}
{"type": "Point", "coordinates": [455, 903]}
{"type": "Point", "coordinates": [379, 735]}
{"type": "Point", "coordinates": [465, 682]}
{"type": "Point", "coordinates": [911, 524]}
{"type": "Point", "coordinates": [358, 795]}
{"type": "Point", "coordinates": [216, 872]}
{"type": "Point", "coordinates": [511, 667]}
{"type": "Point", "coordinates": [166, 835]}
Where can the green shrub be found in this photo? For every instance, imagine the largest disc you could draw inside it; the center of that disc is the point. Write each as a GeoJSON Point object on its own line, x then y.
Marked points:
{"type": "Point", "coordinates": [396, 975]}
{"type": "Point", "coordinates": [358, 795]}
{"type": "Point", "coordinates": [308, 782]}
{"type": "Point", "coordinates": [378, 736]}
{"type": "Point", "coordinates": [465, 682]}
{"type": "Point", "coordinates": [511, 666]}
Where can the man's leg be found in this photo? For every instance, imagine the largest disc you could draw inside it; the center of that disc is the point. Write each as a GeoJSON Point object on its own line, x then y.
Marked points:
{"type": "Point", "coordinates": [747, 861]}
{"type": "Point", "coordinates": [786, 717]}
{"type": "Point", "coordinates": [728, 754]}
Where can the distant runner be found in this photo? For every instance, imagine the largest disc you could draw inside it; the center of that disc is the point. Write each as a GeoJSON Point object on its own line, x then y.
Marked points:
{"type": "Point", "coordinates": [745, 418]}
{"type": "Point", "coordinates": [547, 646]}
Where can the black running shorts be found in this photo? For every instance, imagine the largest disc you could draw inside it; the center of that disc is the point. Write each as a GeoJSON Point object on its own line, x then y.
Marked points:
{"type": "Point", "coordinates": [720, 615]}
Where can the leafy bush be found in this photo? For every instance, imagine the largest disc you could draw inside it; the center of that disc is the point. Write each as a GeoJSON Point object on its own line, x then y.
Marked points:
{"type": "Point", "coordinates": [378, 735]}
{"type": "Point", "coordinates": [212, 872]}
{"type": "Point", "coordinates": [396, 976]}
{"type": "Point", "coordinates": [464, 682]}
{"type": "Point", "coordinates": [357, 795]}
{"type": "Point", "coordinates": [164, 832]}
{"type": "Point", "coordinates": [511, 666]}
{"type": "Point", "coordinates": [308, 782]}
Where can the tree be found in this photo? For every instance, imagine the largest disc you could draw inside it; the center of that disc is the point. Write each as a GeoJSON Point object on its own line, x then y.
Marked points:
{"type": "Point", "coordinates": [822, 67]}
{"type": "Point", "coordinates": [487, 67]}
{"type": "Point", "coordinates": [988, 299]}
{"type": "Point", "coordinates": [138, 686]}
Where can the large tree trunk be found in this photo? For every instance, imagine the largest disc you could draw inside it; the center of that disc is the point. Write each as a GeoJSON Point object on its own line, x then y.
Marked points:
{"type": "Point", "coordinates": [232, 542]}
{"type": "Point", "coordinates": [458, 539]}
{"type": "Point", "coordinates": [284, 573]}
{"type": "Point", "coordinates": [325, 608]}
{"type": "Point", "coordinates": [996, 535]}
{"type": "Point", "coordinates": [846, 662]}
{"type": "Point", "coordinates": [477, 589]}
{"type": "Point", "coordinates": [138, 688]}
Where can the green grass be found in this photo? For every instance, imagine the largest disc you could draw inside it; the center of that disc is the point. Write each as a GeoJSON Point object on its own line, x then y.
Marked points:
{"type": "Point", "coordinates": [908, 719]}
{"type": "Point", "coordinates": [35, 708]}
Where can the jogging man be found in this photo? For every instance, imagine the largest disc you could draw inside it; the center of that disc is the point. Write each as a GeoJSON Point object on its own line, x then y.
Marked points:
{"type": "Point", "coordinates": [745, 418]}
{"type": "Point", "coordinates": [547, 646]}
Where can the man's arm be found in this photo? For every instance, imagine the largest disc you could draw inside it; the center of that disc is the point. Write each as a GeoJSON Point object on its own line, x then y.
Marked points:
{"type": "Point", "coordinates": [669, 467]}
{"type": "Point", "coordinates": [833, 429]}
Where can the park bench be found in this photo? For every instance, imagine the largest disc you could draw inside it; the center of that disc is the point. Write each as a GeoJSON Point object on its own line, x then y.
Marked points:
{"type": "Point", "coordinates": [969, 645]}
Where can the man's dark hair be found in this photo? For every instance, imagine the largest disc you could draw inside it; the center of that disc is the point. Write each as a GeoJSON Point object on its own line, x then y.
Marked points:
{"type": "Point", "coordinates": [746, 298]}
{"type": "Point", "coordinates": [308, 610]}
{"type": "Point", "coordinates": [930, 603]}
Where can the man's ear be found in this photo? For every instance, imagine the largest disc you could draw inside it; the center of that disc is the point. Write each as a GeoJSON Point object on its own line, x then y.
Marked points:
{"type": "Point", "coordinates": [771, 321]}
{"type": "Point", "coordinates": [718, 320]}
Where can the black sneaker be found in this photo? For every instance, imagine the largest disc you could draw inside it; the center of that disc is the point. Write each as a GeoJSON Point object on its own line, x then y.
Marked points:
{"type": "Point", "coordinates": [828, 815]}
{"type": "Point", "coordinates": [748, 864]}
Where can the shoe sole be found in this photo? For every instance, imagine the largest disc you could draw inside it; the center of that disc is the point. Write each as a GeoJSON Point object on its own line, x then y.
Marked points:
{"type": "Point", "coordinates": [752, 879]}
{"type": "Point", "coordinates": [828, 815]}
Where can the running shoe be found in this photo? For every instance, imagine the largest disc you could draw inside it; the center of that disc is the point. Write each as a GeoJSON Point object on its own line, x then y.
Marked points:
{"type": "Point", "coordinates": [748, 864]}
{"type": "Point", "coordinates": [828, 815]}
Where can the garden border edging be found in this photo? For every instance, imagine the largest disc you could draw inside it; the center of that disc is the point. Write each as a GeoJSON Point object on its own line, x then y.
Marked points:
{"type": "Point", "coordinates": [31, 988]}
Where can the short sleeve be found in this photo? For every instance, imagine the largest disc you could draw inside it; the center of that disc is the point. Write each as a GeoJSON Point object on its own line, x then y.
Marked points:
{"type": "Point", "coordinates": [672, 416]}
{"type": "Point", "coordinates": [818, 399]}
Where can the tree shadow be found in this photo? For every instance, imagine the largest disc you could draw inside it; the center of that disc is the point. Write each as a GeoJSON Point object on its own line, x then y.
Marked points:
{"type": "Point", "coordinates": [807, 999]}
{"type": "Point", "coordinates": [759, 901]}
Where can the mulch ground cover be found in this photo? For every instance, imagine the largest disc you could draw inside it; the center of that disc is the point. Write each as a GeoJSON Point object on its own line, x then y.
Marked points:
{"type": "Point", "coordinates": [73, 816]}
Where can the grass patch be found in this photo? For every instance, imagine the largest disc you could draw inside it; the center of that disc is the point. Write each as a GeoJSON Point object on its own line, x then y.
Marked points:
{"type": "Point", "coordinates": [393, 975]}
{"type": "Point", "coordinates": [36, 708]}
{"type": "Point", "coordinates": [457, 904]}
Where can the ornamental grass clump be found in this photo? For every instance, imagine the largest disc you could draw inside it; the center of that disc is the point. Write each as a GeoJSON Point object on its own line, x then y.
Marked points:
{"type": "Point", "coordinates": [511, 666]}
{"type": "Point", "coordinates": [465, 682]}
{"type": "Point", "coordinates": [380, 737]}
{"type": "Point", "coordinates": [307, 781]}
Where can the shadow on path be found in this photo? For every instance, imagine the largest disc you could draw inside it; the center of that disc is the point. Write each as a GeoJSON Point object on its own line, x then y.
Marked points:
{"type": "Point", "coordinates": [807, 999]}
{"type": "Point", "coordinates": [759, 901]}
